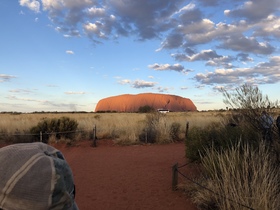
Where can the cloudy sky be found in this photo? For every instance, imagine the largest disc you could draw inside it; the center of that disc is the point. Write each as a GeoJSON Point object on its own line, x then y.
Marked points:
{"type": "Point", "coordinates": [66, 55]}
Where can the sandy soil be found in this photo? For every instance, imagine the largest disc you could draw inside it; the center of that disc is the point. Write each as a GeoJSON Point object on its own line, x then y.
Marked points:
{"type": "Point", "coordinates": [126, 177]}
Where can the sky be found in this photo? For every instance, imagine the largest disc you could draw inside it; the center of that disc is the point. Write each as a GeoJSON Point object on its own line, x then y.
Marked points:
{"type": "Point", "coordinates": [66, 55]}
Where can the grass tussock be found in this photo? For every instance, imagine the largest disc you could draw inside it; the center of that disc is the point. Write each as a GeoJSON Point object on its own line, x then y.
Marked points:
{"type": "Point", "coordinates": [239, 178]}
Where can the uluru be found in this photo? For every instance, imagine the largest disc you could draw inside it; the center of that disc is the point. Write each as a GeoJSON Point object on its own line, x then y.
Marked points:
{"type": "Point", "coordinates": [132, 103]}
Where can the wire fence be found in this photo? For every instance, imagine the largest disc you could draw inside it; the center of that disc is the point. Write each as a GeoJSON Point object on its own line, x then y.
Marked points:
{"type": "Point", "coordinates": [44, 136]}
{"type": "Point", "coordinates": [176, 172]}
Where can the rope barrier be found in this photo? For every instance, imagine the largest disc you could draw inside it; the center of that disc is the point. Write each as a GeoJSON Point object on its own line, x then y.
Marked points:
{"type": "Point", "coordinates": [186, 164]}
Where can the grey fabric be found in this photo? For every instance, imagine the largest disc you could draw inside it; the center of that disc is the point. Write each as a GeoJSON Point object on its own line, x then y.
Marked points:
{"type": "Point", "coordinates": [35, 176]}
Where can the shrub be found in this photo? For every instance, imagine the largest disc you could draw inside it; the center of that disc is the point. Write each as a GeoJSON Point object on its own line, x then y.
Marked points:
{"type": "Point", "coordinates": [146, 109]}
{"type": "Point", "coordinates": [150, 131]}
{"type": "Point", "coordinates": [63, 127]}
{"type": "Point", "coordinates": [216, 135]}
{"type": "Point", "coordinates": [157, 129]}
{"type": "Point", "coordinates": [148, 135]}
{"type": "Point", "coordinates": [17, 137]}
{"type": "Point", "coordinates": [248, 102]}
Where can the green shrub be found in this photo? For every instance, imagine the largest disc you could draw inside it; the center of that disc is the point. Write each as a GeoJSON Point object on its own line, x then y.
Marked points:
{"type": "Point", "coordinates": [63, 127]}
{"type": "Point", "coordinates": [219, 136]}
{"type": "Point", "coordinates": [146, 109]}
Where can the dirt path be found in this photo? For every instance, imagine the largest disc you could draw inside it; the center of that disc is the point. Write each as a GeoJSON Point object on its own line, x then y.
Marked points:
{"type": "Point", "coordinates": [126, 177]}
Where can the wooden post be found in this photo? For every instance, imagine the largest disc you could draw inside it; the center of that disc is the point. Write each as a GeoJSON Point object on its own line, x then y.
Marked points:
{"type": "Point", "coordinates": [94, 137]}
{"type": "Point", "coordinates": [175, 177]}
{"type": "Point", "coordinates": [41, 136]}
{"type": "Point", "coordinates": [146, 135]}
{"type": "Point", "coordinates": [187, 130]}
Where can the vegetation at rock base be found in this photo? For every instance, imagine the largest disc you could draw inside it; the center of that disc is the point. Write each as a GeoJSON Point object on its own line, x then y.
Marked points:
{"type": "Point", "coordinates": [146, 109]}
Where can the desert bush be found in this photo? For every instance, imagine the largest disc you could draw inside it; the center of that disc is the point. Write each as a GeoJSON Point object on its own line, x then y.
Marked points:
{"type": "Point", "coordinates": [148, 135]}
{"type": "Point", "coordinates": [159, 129]}
{"type": "Point", "coordinates": [217, 135]}
{"type": "Point", "coordinates": [17, 137]}
{"type": "Point", "coordinates": [146, 109]}
{"type": "Point", "coordinates": [63, 127]}
{"type": "Point", "coordinates": [238, 178]}
{"type": "Point", "coordinates": [150, 132]}
{"type": "Point", "coordinates": [154, 129]}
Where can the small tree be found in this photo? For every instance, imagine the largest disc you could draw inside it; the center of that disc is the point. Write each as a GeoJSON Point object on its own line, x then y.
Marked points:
{"type": "Point", "coordinates": [248, 103]}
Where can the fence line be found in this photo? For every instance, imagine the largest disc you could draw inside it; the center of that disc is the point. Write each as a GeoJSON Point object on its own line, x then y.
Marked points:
{"type": "Point", "coordinates": [45, 133]}
{"type": "Point", "coordinates": [40, 134]}
{"type": "Point", "coordinates": [175, 172]}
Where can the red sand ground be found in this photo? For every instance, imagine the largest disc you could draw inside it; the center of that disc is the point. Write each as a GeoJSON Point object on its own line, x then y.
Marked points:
{"type": "Point", "coordinates": [112, 177]}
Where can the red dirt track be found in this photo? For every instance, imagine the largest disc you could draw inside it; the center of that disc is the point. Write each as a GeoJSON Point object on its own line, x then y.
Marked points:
{"type": "Point", "coordinates": [112, 177]}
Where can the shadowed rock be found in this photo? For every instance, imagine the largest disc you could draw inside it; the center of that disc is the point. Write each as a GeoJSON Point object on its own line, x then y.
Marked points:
{"type": "Point", "coordinates": [131, 103]}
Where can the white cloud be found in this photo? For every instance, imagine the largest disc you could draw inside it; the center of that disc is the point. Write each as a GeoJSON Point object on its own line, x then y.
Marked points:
{"type": "Point", "coordinates": [265, 72]}
{"type": "Point", "coordinates": [256, 10]}
{"type": "Point", "coordinates": [143, 84]}
{"type": "Point", "coordinates": [75, 92]}
{"type": "Point", "coordinates": [6, 78]}
{"type": "Point", "coordinates": [176, 67]}
{"type": "Point", "coordinates": [124, 81]}
{"type": "Point", "coordinates": [269, 27]}
{"type": "Point", "coordinates": [184, 88]}
{"type": "Point", "coordinates": [25, 99]}
{"type": "Point", "coordinates": [137, 83]}
{"type": "Point", "coordinates": [188, 7]}
{"type": "Point", "coordinates": [55, 5]}
{"type": "Point", "coordinates": [31, 4]}
{"type": "Point", "coordinates": [94, 29]}
{"type": "Point", "coordinates": [69, 52]}
{"type": "Point", "coordinates": [227, 12]}
{"type": "Point", "coordinates": [25, 91]}
{"type": "Point", "coordinates": [248, 44]}
{"type": "Point", "coordinates": [96, 12]}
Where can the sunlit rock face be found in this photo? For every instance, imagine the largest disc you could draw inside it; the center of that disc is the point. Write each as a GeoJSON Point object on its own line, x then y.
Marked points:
{"type": "Point", "coordinates": [131, 103]}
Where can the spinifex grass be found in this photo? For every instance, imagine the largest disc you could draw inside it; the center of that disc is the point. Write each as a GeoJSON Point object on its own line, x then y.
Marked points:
{"type": "Point", "coordinates": [240, 178]}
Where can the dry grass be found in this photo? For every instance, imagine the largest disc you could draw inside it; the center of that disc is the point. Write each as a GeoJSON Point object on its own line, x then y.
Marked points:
{"type": "Point", "coordinates": [239, 179]}
{"type": "Point", "coordinates": [125, 127]}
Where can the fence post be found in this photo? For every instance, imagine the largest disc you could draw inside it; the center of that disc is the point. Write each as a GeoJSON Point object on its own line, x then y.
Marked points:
{"type": "Point", "coordinates": [174, 177]}
{"type": "Point", "coordinates": [146, 135]}
{"type": "Point", "coordinates": [94, 136]}
{"type": "Point", "coordinates": [41, 136]}
{"type": "Point", "coordinates": [187, 130]}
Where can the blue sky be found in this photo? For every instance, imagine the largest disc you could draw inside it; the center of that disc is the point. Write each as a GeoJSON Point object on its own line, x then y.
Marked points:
{"type": "Point", "coordinates": [66, 55]}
